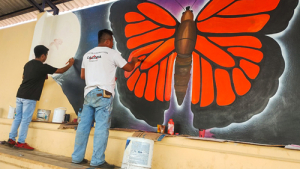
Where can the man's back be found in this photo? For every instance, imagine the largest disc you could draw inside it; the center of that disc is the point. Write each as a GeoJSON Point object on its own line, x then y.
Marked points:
{"type": "Point", "coordinates": [100, 66]}
{"type": "Point", "coordinates": [34, 75]}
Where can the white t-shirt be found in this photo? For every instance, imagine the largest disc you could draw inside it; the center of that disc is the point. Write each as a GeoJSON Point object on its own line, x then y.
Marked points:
{"type": "Point", "coordinates": [100, 64]}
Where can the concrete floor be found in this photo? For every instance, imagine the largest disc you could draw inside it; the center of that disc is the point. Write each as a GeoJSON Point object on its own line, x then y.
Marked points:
{"type": "Point", "coordinates": [37, 157]}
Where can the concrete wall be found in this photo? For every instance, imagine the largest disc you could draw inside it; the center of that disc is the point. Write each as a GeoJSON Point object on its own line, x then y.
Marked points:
{"type": "Point", "coordinates": [15, 45]}
{"type": "Point", "coordinates": [170, 153]}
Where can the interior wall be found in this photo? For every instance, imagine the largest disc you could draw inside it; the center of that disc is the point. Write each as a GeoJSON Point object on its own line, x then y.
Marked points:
{"type": "Point", "coordinates": [15, 45]}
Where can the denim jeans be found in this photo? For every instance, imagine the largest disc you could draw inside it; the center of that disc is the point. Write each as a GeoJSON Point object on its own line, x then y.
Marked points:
{"type": "Point", "coordinates": [24, 112]}
{"type": "Point", "coordinates": [99, 108]}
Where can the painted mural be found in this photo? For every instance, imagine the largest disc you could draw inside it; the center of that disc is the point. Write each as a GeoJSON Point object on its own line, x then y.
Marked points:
{"type": "Point", "coordinates": [229, 66]}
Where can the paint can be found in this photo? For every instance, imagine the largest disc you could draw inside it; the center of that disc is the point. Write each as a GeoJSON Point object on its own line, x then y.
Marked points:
{"type": "Point", "coordinates": [158, 128]}
{"type": "Point", "coordinates": [59, 115]}
{"type": "Point", "coordinates": [43, 115]}
{"type": "Point", "coordinates": [67, 118]}
{"type": "Point", "coordinates": [138, 153]}
{"type": "Point", "coordinates": [162, 129]}
{"type": "Point", "coordinates": [11, 112]}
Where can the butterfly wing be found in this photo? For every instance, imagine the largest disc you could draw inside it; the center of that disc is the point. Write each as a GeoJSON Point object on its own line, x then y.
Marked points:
{"type": "Point", "coordinates": [235, 66]}
{"type": "Point", "coordinates": [245, 16]}
{"type": "Point", "coordinates": [145, 30]}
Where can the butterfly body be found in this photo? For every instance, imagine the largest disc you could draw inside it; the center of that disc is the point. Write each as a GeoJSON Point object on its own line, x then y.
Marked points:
{"type": "Point", "coordinates": [185, 40]}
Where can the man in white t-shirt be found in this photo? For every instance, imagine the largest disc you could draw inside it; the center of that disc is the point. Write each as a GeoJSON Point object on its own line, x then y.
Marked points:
{"type": "Point", "coordinates": [98, 68]}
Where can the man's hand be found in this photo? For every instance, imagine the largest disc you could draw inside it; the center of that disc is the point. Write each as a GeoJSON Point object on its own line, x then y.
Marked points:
{"type": "Point", "coordinates": [71, 61]}
{"type": "Point", "coordinates": [64, 69]}
{"type": "Point", "coordinates": [134, 59]}
{"type": "Point", "coordinates": [130, 66]}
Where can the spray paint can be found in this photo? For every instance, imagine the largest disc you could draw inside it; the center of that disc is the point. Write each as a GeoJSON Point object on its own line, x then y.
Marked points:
{"type": "Point", "coordinates": [201, 132]}
{"type": "Point", "coordinates": [171, 127]}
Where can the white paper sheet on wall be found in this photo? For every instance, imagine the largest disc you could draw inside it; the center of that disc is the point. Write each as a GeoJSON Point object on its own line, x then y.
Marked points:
{"type": "Point", "coordinates": [59, 33]}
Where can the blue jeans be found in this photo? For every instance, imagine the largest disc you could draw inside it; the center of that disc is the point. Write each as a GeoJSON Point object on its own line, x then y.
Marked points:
{"type": "Point", "coordinates": [99, 108]}
{"type": "Point", "coordinates": [24, 112]}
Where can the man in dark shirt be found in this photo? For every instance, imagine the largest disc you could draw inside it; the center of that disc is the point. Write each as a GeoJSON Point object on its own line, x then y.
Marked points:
{"type": "Point", "coordinates": [34, 75]}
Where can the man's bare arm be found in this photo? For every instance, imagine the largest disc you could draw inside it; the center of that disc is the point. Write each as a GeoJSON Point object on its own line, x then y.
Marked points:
{"type": "Point", "coordinates": [64, 69]}
{"type": "Point", "coordinates": [131, 65]}
{"type": "Point", "coordinates": [82, 74]}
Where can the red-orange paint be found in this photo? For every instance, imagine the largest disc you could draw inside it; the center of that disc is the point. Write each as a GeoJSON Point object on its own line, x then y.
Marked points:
{"type": "Point", "coordinates": [151, 83]}
{"type": "Point", "coordinates": [169, 76]}
{"type": "Point", "coordinates": [139, 28]}
{"type": "Point", "coordinates": [247, 53]}
{"type": "Point", "coordinates": [133, 17]}
{"type": "Point", "coordinates": [152, 36]}
{"type": "Point", "coordinates": [140, 86]}
{"type": "Point", "coordinates": [155, 82]}
{"type": "Point", "coordinates": [250, 69]}
{"type": "Point", "coordinates": [127, 74]}
{"type": "Point", "coordinates": [196, 79]}
{"type": "Point", "coordinates": [225, 94]}
{"type": "Point", "coordinates": [247, 41]}
{"type": "Point", "coordinates": [132, 80]}
{"type": "Point", "coordinates": [213, 52]}
{"type": "Point", "coordinates": [144, 50]}
{"type": "Point", "coordinates": [245, 24]}
{"type": "Point", "coordinates": [214, 7]}
{"type": "Point", "coordinates": [207, 90]}
{"type": "Point", "coordinates": [161, 80]}
{"type": "Point", "coordinates": [161, 52]}
{"type": "Point", "coordinates": [245, 7]}
{"type": "Point", "coordinates": [241, 83]}
{"type": "Point", "coordinates": [152, 10]}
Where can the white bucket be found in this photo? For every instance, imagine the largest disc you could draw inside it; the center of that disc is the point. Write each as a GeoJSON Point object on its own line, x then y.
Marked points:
{"type": "Point", "coordinates": [43, 115]}
{"type": "Point", "coordinates": [138, 153]}
{"type": "Point", "coordinates": [11, 112]}
{"type": "Point", "coordinates": [59, 115]}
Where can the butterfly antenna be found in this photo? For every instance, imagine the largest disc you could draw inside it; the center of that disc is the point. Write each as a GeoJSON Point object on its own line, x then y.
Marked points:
{"type": "Point", "coordinates": [180, 5]}
{"type": "Point", "coordinates": [193, 4]}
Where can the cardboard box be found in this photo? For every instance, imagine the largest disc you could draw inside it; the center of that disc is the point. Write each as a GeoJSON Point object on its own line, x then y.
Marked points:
{"type": "Point", "coordinates": [149, 135]}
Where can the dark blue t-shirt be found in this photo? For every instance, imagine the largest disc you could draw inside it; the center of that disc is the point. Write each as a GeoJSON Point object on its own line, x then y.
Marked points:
{"type": "Point", "coordinates": [35, 73]}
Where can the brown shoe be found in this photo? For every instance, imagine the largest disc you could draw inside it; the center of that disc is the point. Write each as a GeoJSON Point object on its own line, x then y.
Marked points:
{"type": "Point", "coordinates": [23, 146]}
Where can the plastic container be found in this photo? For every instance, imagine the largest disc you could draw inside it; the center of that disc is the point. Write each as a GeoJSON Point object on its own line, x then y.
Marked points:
{"type": "Point", "coordinates": [171, 127]}
{"type": "Point", "coordinates": [43, 115]}
{"type": "Point", "coordinates": [11, 112]}
{"type": "Point", "coordinates": [79, 115]}
{"type": "Point", "coordinates": [138, 153]}
{"type": "Point", "coordinates": [59, 115]}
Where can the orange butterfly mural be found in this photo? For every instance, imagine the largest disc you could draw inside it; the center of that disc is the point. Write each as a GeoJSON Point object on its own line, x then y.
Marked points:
{"type": "Point", "coordinates": [220, 52]}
